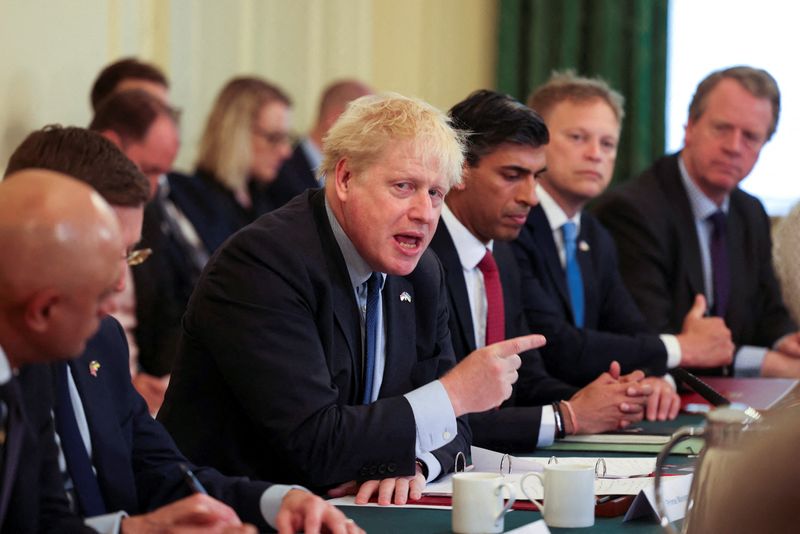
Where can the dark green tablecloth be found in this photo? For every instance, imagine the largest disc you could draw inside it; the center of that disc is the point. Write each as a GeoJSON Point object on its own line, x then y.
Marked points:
{"type": "Point", "coordinates": [424, 521]}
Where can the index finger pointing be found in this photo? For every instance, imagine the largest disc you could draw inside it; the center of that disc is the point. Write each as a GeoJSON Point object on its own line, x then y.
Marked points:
{"type": "Point", "coordinates": [516, 345]}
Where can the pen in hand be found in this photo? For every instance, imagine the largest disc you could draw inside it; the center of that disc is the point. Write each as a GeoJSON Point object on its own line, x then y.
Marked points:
{"type": "Point", "coordinates": [194, 485]}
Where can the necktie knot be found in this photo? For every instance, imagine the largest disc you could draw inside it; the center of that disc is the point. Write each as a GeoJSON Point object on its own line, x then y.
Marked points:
{"type": "Point", "coordinates": [718, 221]}
{"type": "Point", "coordinates": [487, 263]}
{"type": "Point", "coordinates": [570, 231]}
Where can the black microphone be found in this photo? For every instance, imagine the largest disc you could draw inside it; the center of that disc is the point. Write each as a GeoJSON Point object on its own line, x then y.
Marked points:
{"type": "Point", "coordinates": [700, 387]}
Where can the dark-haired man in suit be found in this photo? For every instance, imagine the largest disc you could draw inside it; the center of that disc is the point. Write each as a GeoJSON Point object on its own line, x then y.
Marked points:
{"type": "Point", "coordinates": [504, 158]}
{"type": "Point", "coordinates": [684, 228]}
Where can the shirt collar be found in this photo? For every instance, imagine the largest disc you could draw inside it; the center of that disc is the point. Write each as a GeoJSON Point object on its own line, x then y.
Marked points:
{"type": "Point", "coordinates": [469, 248]}
{"type": "Point", "coordinates": [555, 215]}
{"type": "Point", "coordinates": [357, 268]}
{"type": "Point", "coordinates": [5, 368]}
{"type": "Point", "coordinates": [312, 152]}
{"type": "Point", "coordinates": [701, 205]}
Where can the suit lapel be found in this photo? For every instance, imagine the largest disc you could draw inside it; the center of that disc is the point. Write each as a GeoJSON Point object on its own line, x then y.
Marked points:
{"type": "Point", "coordinates": [677, 197]}
{"type": "Point", "coordinates": [109, 446]}
{"type": "Point", "coordinates": [543, 237]}
{"type": "Point", "coordinates": [345, 307]}
{"type": "Point", "coordinates": [17, 424]}
{"type": "Point", "coordinates": [590, 296]}
{"type": "Point", "coordinates": [734, 316]}
{"type": "Point", "coordinates": [400, 325]}
{"type": "Point", "coordinates": [442, 244]}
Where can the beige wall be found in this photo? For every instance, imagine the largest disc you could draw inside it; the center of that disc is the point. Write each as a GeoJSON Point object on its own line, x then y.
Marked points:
{"type": "Point", "coordinates": [51, 50]}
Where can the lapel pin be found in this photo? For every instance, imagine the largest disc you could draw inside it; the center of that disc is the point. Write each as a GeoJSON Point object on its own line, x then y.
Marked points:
{"type": "Point", "coordinates": [583, 246]}
{"type": "Point", "coordinates": [94, 366]}
{"type": "Point", "coordinates": [405, 297]}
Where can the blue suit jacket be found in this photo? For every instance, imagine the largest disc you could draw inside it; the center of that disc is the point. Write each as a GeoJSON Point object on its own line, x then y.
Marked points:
{"type": "Point", "coordinates": [514, 427]}
{"type": "Point", "coordinates": [136, 460]}
{"type": "Point", "coordinates": [268, 378]}
{"type": "Point", "coordinates": [614, 328]}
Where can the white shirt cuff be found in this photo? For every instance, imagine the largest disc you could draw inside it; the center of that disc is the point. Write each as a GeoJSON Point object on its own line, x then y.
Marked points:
{"type": "Point", "coordinates": [271, 501]}
{"type": "Point", "coordinates": [673, 347]}
{"type": "Point", "coordinates": [434, 417]}
{"type": "Point", "coordinates": [748, 361]}
{"type": "Point", "coordinates": [106, 523]}
{"type": "Point", "coordinates": [547, 427]}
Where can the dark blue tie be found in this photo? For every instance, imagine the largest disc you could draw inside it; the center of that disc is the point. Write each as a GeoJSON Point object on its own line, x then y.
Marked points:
{"type": "Point", "coordinates": [371, 333]}
{"type": "Point", "coordinates": [720, 269]}
{"type": "Point", "coordinates": [78, 464]}
{"type": "Point", "coordinates": [574, 280]}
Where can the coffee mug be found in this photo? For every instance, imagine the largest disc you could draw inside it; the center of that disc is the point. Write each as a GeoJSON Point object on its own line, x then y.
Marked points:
{"type": "Point", "coordinates": [478, 502]}
{"type": "Point", "coordinates": [568, 495]}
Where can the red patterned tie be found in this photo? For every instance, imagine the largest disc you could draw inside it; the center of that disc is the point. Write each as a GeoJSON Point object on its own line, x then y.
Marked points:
{"type": "Point", "coordinates": [495, 311]}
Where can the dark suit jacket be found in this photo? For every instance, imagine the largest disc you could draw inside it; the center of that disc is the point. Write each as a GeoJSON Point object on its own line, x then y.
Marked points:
{"type": "Point", "coordinates": [295, 176]}
{"type": "Point", "coordinates": [136, 461]}
{"type": "Point", "coordinates": [652, 223]}
{"type": "Point", "coordinates": [614, 328]}
{"type": "Point", "coordinates": [514, 427]}
{"type": "Point", "coordinates": [32, 497]}
{"type": "Point", "coordinates": [267, 382]}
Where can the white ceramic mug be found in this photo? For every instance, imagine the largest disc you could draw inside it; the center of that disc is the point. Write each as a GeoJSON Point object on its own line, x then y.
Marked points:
{"type": "Point", "coordinates": [478, 503]}
{"type": "Point", "coordinates": [568, 495]}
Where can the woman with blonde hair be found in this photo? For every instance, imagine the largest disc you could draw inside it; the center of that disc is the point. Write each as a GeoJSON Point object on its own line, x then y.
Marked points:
{"type": "Point", "coordinates": [245, 141]}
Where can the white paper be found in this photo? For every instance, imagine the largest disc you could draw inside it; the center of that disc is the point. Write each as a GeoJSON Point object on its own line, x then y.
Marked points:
{"type": "Point", "coordinates": [537, 527]}
{"type": "Point", "coordinates": [350, 500]}
{"type": "Point", "coordinates": [489, 461]}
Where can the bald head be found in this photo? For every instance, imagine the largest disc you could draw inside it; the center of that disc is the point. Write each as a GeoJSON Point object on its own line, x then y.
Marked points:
{"type": "Point", "coordinates": [62, 244]}
{"type": "Point", "coordinates": [333, 102]}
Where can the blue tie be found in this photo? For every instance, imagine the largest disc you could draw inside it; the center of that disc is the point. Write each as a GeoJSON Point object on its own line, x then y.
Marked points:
{"type": "Point", "coordinates": [371, 333]}
{"type": "Point", "coordinates": [78, 463]}
{"type": "Point", "coordinates": [574, 280]}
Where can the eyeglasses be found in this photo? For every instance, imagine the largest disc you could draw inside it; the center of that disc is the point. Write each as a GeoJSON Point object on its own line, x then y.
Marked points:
{"type": "Point", "coordinates": [273, 138]}
{"type": "Point", "coordinates": [138, 257]}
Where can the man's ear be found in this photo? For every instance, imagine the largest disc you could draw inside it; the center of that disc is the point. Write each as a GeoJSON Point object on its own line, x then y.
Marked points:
{"type": "Point", "coordinates": [342, 179]}
{"type": "Point", "coordinates": [40, 309]}
{"type": "Point", "coordinates": [466, 174]}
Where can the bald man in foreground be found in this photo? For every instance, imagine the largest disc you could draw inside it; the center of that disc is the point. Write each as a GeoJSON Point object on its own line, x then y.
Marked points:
{"type": "Point", "coordinates": [61, 245]}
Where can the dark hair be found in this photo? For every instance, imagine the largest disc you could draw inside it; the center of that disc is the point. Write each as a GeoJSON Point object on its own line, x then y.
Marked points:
{"type": "Point", "coordinates": [757, 82]}
{"type": "Point", "coordinates": [491, 119]}
{"type": "Point", "coordinates": [130, 114]}
{"type": "Point", "coordinates": [124, 69]}
{"type": "Point", "coordinates": [87, 156]}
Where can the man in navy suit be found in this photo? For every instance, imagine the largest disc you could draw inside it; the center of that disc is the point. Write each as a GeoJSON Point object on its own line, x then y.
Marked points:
{"type": "Point", "coordinates": [62, 243]}
{"type": "Point", "coordinates": [299, 172]}
{"type": "Point", "coordinates": [584, 116]}
{"type": "Point", "coordinates": [291, 368]}
{"type": "Point", "coordinates": [136, 466]}
{"type": "Point", "coordinates": [505, 157]}
{"type": "Point", "coordinates": [684, 228]}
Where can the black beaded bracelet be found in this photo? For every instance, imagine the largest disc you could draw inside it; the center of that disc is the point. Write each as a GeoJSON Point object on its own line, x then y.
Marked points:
{"type": "Point", "coordinates": [560, 431]}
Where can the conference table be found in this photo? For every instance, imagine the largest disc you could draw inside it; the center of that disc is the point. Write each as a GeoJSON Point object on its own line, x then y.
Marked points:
{"type": "Point", "coordinates": [390, 520]}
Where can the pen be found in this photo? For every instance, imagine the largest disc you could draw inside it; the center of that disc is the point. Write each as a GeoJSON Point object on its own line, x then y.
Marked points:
{"type": "Point", "coordinates": [192, 481]}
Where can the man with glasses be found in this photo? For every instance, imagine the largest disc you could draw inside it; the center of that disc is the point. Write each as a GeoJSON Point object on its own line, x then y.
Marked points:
{"type": "Point", "coordinates": [684, 228]}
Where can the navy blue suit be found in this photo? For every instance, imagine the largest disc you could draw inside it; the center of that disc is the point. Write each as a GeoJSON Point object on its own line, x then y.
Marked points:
{"type": "Point", "coordinates": [654, 229]}
{"type": "Point", "coordinates": [514, 427]}
{"type": "Point", "coordinates": [268, 378]}
{"type": "Point", "coordinates": [614, 327]}
{"type": "Point", "coordinates": [135, 458]}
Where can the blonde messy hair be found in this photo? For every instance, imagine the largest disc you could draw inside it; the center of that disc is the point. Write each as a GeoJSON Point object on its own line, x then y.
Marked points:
{"type": "Point", "coordinates": [225, 147]}
{"type": "Point", "coordinates": [372, 123]}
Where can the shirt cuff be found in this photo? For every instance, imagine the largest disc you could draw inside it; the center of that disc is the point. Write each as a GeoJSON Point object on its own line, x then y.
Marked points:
{"type": "Point", "coordinates": [434, 417]}
{"type": "Point", "coordinates": [106, 523]}
{"type": "Point", "coordinates": [271, 501]}
{"type": "Point", "coordinates": [673, 347]}
{"type": "Point", "coordinates": [433, 465]}
{"type": "Point", "coordinates": [547, 427]}
{"type": "Point", "coordinates": [748, 361]}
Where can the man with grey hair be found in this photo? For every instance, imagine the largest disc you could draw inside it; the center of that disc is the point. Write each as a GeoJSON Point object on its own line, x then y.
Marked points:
{"type": "Point", "coordinates": [684, 228]}
{"type": "Point", "coordinates": [316, 346]}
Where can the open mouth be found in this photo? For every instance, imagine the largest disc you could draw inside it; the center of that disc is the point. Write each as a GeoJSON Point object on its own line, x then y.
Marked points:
{"type": "Point", "coordinates": [408, 242]}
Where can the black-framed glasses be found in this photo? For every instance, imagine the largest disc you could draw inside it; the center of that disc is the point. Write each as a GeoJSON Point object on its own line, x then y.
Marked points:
{"type": "Point", "coordinates": [274, 138]}
{"type": "Point", "coordinates": [138, 256]}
